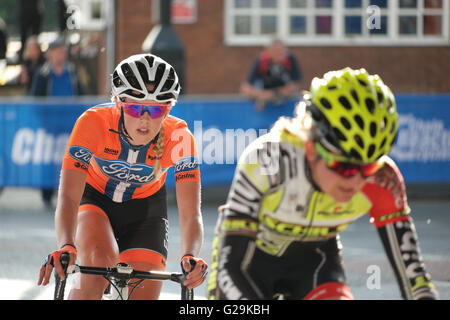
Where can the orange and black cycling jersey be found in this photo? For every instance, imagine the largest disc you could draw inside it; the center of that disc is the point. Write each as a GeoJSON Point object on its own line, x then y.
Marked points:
{"type": "Point", "coordinates": [119, 169]}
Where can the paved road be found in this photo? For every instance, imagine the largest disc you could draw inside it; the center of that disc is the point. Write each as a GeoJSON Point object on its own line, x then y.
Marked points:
{"type": "Point", "coordinates": [27, 236]}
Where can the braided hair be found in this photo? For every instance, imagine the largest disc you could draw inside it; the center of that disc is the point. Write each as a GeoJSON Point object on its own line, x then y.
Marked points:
{"type": "Point", "coordinates": [158, 149]}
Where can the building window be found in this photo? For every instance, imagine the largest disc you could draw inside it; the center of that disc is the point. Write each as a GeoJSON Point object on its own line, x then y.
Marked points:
{"type": "Point", "coordinates": [337, 22]}
{"type": "Point", "coordinates": [87, 14]}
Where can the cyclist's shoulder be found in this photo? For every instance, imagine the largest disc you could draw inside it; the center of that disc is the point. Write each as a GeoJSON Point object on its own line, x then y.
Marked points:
{"type": "Point", "coordinates": [387, 182]}
{"type": "Point", "coordinates": [100, 112]}
{"type": "Point", "coordinates": [97, 119]}
{"type": "Point", "coordinates": [388, 176]}
{"type": "Point", "coordinates": [172, 123]}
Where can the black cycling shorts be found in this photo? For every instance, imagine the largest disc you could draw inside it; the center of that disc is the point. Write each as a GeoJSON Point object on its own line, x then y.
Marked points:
{"type": "Point", "coordinates": [305, 270]}
{"type": "Point", "coordinates": [137, 224]}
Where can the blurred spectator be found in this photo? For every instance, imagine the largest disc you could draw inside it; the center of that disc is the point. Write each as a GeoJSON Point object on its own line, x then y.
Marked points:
{"type": "Point", "coordinates": [56, 77]}
{"type": "Point", "coordinates": [30, 19]}
{"type": "Point", "coordinates": [75, 57]}
{"type": "Point", "coordinates": [33, 59]}
{"type": "Point", "coordinates": [3, 39]}
{"type": "Point", "coordinates": [273, 77]}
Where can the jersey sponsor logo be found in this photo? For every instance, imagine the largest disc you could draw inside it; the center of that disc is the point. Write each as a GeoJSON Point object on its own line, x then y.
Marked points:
{"type": "Point", "coordinates": [80, 165]}
{"type": "Point", "coordinates": [186, 164]}
{"type": "Point", "coordinates": [392, 216]}
{"type": "Point", "coordinates": [80, 154]}
{"type": "Point", "coordinates": [245, 226]}
{"type": "Point", "coordinates": [137, 173]}
{"type": "Point", "coordinates": [111, 151]}
{"type": "Point", "coordinates": [184, 176]}
{"type": "Point", "coordinates": [409, 256]}
{"type": "Point", "coordinates": [299, 230]}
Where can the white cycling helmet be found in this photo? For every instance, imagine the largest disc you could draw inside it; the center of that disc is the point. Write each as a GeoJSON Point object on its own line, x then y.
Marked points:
{"type": "Point", "coordinates": [133, 75]}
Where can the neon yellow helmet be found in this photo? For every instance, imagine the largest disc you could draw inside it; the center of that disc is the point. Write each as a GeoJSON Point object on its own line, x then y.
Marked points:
{"type": "Point", "coordinates": [354, 113]}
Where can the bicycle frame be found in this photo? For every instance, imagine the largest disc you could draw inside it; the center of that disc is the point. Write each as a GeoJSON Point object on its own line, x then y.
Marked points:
{"type": "Point", "coordinates": [119, 278]}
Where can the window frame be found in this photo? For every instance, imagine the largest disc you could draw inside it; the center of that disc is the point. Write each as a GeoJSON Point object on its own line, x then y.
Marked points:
{"type": "Point", "coordinates": [85, 14]}
{"type": "Point", "coordinates": [337, 36]}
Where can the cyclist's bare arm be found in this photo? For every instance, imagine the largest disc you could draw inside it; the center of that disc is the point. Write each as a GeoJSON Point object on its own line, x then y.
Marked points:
{"type": "Point", "coordinates": [191, 228]}
{"type": "Point", "coordinates": [70, 191]}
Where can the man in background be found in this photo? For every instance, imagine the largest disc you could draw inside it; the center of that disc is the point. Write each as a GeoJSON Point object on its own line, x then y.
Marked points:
{"type": "Point", "coordinates": [56, 78]}
{"type": "Point", "coordinates": [273, 77]}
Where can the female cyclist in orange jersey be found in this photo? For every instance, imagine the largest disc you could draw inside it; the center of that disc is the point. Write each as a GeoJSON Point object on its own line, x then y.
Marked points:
{"type": "Point", "coordinates": [112, 204]}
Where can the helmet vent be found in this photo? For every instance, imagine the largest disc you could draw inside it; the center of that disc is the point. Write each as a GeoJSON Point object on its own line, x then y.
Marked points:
{"type": "Point", "coordinates": [143, 72]}
{"type": "Point", "coordinates": [354, 95]}
{"type": "Point", "coordinates": [165, 96]}
{"type": "Point", "coordinates": [373, 129]}
{"type": "Point", "coordinates": [355, 154]}
{"type": "Point", "coordinates": [359, 141]}
{"type": "Point", "coordinates": [339, 134]}
{"type": "Point", "coordinates": [370, 104]}
{"type": "Point", "coordinates": [392, 128]}
{"type": "Point", "coordinates": [159, 74]}
{"type": "Point", "coordinates": [170, 81]}
{"type": "Point", "coordinates": [116, 80]}
{"type": "Point", "coordinates": [135, 94]}
{"type": "Point", "coordinates": [383, 143]}
{"type": "Point", "coordinates": [380, 97]}
{"type": "Point", "coordinates": [344, 101]}
{"type": "Point", "coordinates": [362, 82]}
{"type": "Point", "coordinates": [128, 73]}
{"type": "Point", "coordinates": [150, 60]}
{"type": "Point", "coordinates": [346, 123]}
{"type": "Point", "coordinates": [325, 103]}
{"type": "Point", "coordinates": [359, 121]}
{"type": "Point", "coordinates": [371, 151]}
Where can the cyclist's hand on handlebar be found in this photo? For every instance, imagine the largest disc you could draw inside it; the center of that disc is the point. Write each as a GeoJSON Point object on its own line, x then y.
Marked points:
{"type": "Point", "coordinates": [53, 260]}
{"type": "Point", "coordinates": [196, 269]}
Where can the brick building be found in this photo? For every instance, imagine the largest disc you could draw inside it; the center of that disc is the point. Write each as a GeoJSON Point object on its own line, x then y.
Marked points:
{"type": "Point", "coordinates": [216, 63]}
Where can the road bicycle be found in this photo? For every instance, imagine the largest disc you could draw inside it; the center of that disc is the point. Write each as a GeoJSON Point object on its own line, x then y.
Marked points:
{"type": "Point", "coordinates": [120, 279]}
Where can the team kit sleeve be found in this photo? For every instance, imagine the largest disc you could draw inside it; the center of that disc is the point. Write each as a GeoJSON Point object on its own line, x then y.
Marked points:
{"type": "Point", "coordinates": [390, 214]}
{"type": "Point", "coordinates": [82, 144]}
{"type": "Point", "coordinates": [236, 230]}
{"type": "Point", "coordinates": [184, 155]}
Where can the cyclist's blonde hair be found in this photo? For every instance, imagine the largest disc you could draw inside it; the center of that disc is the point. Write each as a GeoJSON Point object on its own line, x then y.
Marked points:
{"type": "Point", "coordinates": [301, 125]}
{"type": "Point", "coordinates": [158, 150]}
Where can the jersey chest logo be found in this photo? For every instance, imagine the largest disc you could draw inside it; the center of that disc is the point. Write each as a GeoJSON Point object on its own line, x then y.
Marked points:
{"type": "Point", "coordinates": [119, 170]}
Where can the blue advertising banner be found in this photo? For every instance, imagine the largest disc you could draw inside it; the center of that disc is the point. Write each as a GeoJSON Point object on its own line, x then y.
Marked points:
{"type": "Point", "coordinates": [422, 150]}
{"type": "Point", "coordinates": [33, 137]}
